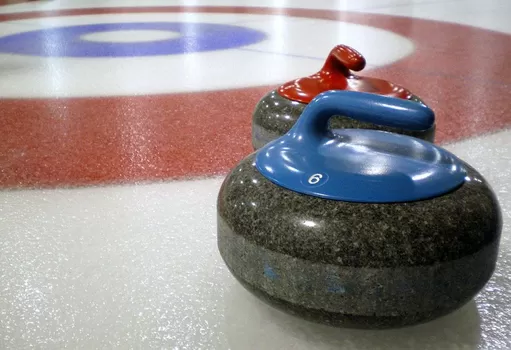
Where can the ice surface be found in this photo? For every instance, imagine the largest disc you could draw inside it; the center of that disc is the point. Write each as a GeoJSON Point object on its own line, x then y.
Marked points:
{"type": "Point", "coordinates": [137, 266]}
{"type": "Point", "coordinates": [116, 267]}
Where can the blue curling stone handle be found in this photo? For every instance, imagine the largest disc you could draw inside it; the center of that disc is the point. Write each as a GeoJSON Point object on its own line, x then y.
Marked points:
{"type": "Point", "coordinates": [360, 165]}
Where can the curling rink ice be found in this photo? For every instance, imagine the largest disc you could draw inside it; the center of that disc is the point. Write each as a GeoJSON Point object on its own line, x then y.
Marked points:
{"type": "Point", "coordinates": [111, 160]}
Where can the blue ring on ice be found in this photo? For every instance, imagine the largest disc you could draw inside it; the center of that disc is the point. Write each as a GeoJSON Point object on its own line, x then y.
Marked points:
{"type": "Point", "coordinates": [68, 42]}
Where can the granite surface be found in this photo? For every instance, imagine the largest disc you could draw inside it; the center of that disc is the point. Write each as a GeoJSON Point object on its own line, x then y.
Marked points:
{"type": "Point", "coordinates": [275, 115]}
{"type": "Point", "coordinates": [356, 264]}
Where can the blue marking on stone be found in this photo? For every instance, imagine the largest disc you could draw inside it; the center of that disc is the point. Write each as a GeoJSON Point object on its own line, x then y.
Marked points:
{"type": "Point", "coordinates": [334, 285]}
{"type": "Point", "coordinates": [268, 272]}
{"type": "Point", "coordinates": [337, 289]}
{"type": "Point", "coordinates": [67, 41]}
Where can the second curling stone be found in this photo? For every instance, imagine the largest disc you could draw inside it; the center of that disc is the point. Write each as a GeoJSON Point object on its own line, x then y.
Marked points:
{"type": "Point", "coordinates": [358, 228]}
{"type": "Point", "coordinates": [279, 110]}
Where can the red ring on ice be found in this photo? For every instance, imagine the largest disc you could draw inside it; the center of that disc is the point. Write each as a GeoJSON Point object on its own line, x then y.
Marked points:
{"type": "Point", "coordinates": [462, 72]}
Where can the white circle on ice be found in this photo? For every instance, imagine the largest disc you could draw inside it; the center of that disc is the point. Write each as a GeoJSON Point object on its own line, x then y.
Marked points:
{"type": "Point", "coordinates": [295, 47]}
{"type": "Point", "coordinates": [130, 36]}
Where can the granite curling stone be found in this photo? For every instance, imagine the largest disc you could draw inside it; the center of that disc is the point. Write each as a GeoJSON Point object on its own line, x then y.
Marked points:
{"type": "Point", "coordinates": [358, 228]}
{"type": "Point", "coordinates": [278, 111]}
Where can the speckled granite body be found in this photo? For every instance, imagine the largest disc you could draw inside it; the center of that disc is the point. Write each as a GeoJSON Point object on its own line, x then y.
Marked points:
{"type": "Point", "coordinates": [274, 116]}
{"type": "Point", "coordinates": [354, 264]}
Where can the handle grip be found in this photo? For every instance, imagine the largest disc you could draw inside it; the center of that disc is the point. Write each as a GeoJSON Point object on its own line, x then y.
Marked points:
{"type": "Point", "coordinates": [337, 74]}
{"type": "Point", "coordinates": [362, 106]}
{"type": "Point", "coordinates": [342, 59]}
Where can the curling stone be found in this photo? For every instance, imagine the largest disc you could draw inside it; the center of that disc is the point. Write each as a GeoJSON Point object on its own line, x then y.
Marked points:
{"type": "Point", "coordinates": [279, 110]}
{"type": "Point", "coordinates": [358, 228]}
